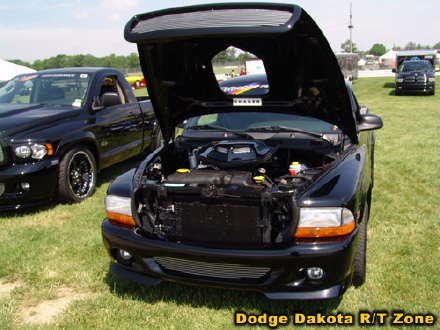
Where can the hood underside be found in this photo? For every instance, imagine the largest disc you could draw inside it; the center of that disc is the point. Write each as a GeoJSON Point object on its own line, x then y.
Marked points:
{"type": "Point", "coordinates": [176, 47]}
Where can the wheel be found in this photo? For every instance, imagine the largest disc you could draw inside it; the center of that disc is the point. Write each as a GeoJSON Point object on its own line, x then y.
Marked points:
{"type": "Point", "coordinates": [398, 93]}
{"type": "Point", "coordinates": [360, 259]}
{"type": "Point", "coordinates": [77, 175]}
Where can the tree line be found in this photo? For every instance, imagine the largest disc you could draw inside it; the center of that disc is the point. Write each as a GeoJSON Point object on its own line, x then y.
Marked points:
{"type": "Point", "coordinates": [116, 61]}
{"type": "Point", "coordinates": [380, 49]}
{"type": "Point", "coordinates": [63, 61]}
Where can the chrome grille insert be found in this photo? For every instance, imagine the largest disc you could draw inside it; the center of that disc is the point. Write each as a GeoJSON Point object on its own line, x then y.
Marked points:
{"type": "Point", "coordinates": [208, 269]}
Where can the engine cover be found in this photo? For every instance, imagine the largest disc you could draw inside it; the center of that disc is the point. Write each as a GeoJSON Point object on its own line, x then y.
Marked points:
{"type": "Point", "coordinates": [229, 153]}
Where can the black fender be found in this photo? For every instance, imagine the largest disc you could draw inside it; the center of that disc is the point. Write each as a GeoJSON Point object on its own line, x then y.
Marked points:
{"type": "Point", "coordinates": [345, 184]}
{"type": "Point", "coordinates": [84, 138]}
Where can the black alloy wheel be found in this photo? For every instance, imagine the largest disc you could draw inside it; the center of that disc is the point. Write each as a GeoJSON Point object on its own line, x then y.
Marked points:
{"type": "Point", "coordinates": [77, 177]}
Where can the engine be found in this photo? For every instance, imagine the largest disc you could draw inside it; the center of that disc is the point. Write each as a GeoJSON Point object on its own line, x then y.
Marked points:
{"type": "Point", "coordinates": [227, 193]}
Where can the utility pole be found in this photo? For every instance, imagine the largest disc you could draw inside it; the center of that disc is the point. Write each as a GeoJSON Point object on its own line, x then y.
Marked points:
{"type": "Point", "coordinates": [351, 28]}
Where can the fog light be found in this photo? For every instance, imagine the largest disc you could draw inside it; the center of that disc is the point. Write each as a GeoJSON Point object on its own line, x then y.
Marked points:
{"type": "Point", "coordinates": [315, 273]}
{"type": "Point", "coordinates": [25, 186]}
{"type": "Point", "coordinates": [123, 256]}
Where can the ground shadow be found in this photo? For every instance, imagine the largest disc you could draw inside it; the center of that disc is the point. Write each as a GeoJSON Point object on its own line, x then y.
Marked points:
{"type": "Point", "coordinates": [388, 85]}
{"type": "Point", "coordinates": [110, 173]}
{"type": "Point", "coordinates": [216, 298]}
{"type": "Point", "coordinates": [29, 210]}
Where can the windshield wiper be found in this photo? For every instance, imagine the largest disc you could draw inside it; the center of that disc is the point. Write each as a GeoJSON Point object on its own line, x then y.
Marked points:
{"type": "Point", "coordinates": [220, 128]}
{"type": "Point", "coordinates": [322, 136]}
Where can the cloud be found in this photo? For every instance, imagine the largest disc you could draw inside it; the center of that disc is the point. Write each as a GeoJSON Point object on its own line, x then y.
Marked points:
{"type": "Point", "coordinates": [70, 41]}
{"type": "Point", "coordinates": [113, 17]}
{"type": "Point", "coordinates": [84, 15]}
{"type": "Point", "coordinates": [117, 5]}
{"type": "Point", "coordinates": [60, 5]}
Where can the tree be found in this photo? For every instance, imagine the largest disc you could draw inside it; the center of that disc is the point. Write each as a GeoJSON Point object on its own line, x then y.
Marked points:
{"type": "Point", "coordinates": [436, 46]}
{"type": "Point", "coordinates": [227, 55]}
{"type": "Point", "coordinates": [20, 62]}
{"type": "Point", "coordinates": [410, 46]}
{"type": "Point", "coordinates": [346, 47]}
{"type": "Point", "coordinates": [243, 57]}
{"type": "Point", "coordinates": [378, 50]}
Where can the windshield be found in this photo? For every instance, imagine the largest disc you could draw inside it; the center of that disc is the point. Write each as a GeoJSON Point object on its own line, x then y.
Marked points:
{"type": "Point", "coordinates": [58, 89]}
{"type": "Point", "coordinates": [260, 121]}
{"type": "Point", "coordinates": [415, 66]}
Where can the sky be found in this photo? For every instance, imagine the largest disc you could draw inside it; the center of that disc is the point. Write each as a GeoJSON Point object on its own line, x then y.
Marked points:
{"type": "Point", "coordinates": [39, 29]}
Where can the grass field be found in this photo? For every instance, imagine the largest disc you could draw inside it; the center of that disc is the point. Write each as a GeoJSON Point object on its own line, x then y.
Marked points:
{"type": "Point", "coordinates": [53, 267]}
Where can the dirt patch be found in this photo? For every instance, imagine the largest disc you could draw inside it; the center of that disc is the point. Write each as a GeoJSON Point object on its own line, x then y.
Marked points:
{"type": "Point", "coordinates": [7, 287]}
{"type": "Point", "coordinates": [46, 311]}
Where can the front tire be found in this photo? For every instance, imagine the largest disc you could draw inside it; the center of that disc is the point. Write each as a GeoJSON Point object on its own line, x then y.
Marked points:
{"type": "Point", "coordinates": [77, 175]}
{"type": "Point", "coordinates": [360, 259]}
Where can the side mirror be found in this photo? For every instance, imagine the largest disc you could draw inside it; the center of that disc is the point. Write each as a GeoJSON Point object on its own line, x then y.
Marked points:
{"type": "Point", "coordinates": [110, 99]}
{"type": "Point", "coordinates": [369, 122]}
{"type": "Point", "coordinates": [106, 100]}
{"type": "Point", "coordinates": [393, 70]}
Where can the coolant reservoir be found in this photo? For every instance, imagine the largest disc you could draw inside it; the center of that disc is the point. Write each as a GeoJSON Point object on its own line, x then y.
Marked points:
{"type": "Point", "coordinates": [295, 168]}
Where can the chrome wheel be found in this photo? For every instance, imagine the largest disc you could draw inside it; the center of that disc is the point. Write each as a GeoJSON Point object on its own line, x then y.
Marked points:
{"type": "Point", "coordinates": [81, 174]}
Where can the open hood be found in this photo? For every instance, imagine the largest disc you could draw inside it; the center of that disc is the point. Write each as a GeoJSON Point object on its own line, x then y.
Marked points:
{"type": "Point", "coordinates": [176, 47]}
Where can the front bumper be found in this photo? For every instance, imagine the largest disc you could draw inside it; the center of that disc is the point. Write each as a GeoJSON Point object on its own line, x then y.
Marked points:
{"type": "Point", "coordinates": [279, 274]}
{"type": "Point", "coordinates": [41, 177]}
{"type": "Point", "coordinates": [415, 87]}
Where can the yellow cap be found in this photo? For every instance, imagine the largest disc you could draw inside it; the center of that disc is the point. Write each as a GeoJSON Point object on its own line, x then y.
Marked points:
{"type": "Point", "coordinates": [295, 163]}
{"type": "Point", "coordinates": [259, 179]}
{"type": "Point", "coordinates": [183, 170]}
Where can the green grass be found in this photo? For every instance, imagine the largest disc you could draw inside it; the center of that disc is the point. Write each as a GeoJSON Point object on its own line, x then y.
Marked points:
{"type": "Point", "coordinates": [55, 249]}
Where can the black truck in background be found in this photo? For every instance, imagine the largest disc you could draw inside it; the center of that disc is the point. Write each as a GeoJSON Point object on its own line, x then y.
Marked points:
{"type": "Point", "coordinates": [59, 127]}
{"type": "Point", "coordinates": [415, 71]}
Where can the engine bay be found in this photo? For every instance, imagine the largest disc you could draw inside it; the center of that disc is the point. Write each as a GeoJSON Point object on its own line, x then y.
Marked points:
{"type": "Point", "coordinates": [226, 192]}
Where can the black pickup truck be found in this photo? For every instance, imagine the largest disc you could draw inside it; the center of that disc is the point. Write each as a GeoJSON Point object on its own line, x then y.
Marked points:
{"type": "Point", "coordinates": [59, 127]}
{"type": "Point", "coordinates": [269, 185]}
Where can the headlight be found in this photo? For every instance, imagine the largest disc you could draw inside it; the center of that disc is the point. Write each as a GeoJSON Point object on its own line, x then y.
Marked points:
{"type": "Point", "coordinates": [118, 210]}
{"type": "Point", "coordinates": [431, 79]}
{"type": "Point", "coordinates": [324, 222]}
{"type": "Point", "coordinates": [36, 150]}
{"type": "Point", "coordinates": [23, 151]}
{"type": "Point", "coordinates": [399, 79]}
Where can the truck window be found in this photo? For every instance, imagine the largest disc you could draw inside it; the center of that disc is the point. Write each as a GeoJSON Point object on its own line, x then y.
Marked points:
{"type": "Point", "coordinates": [111, 84]}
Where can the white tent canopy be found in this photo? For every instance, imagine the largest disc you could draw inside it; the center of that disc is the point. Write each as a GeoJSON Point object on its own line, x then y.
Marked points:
{"type": "Point", "coordinates": [388, 59]}
{"type": "Point", "coordinates": [391, 54]}
{"type": "Point", "coordinates": [9, 70]}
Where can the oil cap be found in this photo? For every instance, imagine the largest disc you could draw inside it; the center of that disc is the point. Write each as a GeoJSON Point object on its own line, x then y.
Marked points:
{"type": "Point", "coordinates": [259, 179]}
{"type": "Point", "coordinates": [183, 170]}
